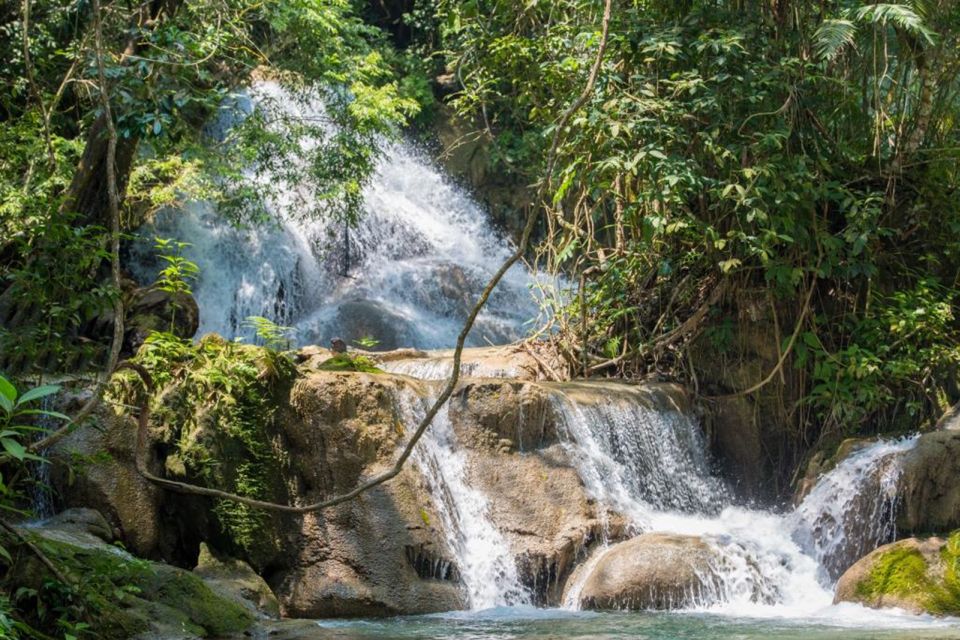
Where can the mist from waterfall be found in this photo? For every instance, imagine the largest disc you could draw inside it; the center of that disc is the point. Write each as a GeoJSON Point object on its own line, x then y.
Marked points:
{"type": "Point", "coordinates": [406, 275]}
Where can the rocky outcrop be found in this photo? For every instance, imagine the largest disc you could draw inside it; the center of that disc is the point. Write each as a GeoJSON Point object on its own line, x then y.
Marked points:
{"type": "Point", "coordinates": [234, 580]}
{"type": "Point", "coordinates": [929, 487]}
{"type": "Point", "coordinates": [245, 420]}
{"type": "Point", "coordinates": [123, 596]}
{"type": "Point", "coordinates": [303, 437]}
{"type": "Point", "coordinates": [752, 436]}
{"type": "Point", "coordinates": [151, 309]}
{"type": "Point", "coordinates": [919, 575]}
{"type": "Point", "coordinates": [93, 468]}
{"type": "Point", "coordinates": [651, 571]}
{"type": "Point", "coordinates": [537, 361]}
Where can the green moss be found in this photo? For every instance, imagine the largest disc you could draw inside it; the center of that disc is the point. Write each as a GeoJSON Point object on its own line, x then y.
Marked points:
{"type": "Point", "coordinates": [217, 408]}
{"type": "Point", "coordinates": [945, 599]}
{"type": "Point", "coordinates": [123, 595]}
{"type": "Point", "coordinates": [899, 572]}
{"type": "Point", "coordinates": [905, 572]}
{"type": "Point", "coordinates": [346, 362]}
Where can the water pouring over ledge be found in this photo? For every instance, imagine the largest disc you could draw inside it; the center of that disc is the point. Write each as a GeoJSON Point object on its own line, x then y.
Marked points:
{"type": "Point", "coordinates": [423, 252]}
{"type": "Point", "coordinates": [406, 276]}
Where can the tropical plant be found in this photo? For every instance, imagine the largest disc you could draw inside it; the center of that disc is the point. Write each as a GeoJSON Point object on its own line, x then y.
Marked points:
{"type": "Point", "coordinates": [271, 335]}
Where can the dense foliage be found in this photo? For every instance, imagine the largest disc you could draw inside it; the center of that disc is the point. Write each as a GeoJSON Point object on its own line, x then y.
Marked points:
{"type": "Point", "coordinates": [171, 69]}
{"type": "Point", "coordinates": [739, 155]}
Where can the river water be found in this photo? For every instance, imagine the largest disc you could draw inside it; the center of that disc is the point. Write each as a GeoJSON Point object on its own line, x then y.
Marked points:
{"type": "Point", "coordinates": [523, 623]}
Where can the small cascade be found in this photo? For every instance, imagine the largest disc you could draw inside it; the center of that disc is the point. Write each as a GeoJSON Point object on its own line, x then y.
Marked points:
{"type": "Point", "coordinates": [485, 564]}
{"type": "Point", "coordinates": [648, 461]}
{"type": "Point", "coordinates": [852, 509]}
{"type": "Point", "coordinates": [407, 275]}
{"type": "Point", "coordinates": [636, 453]}
{"type": "Point", "coordinates": [41, 498]}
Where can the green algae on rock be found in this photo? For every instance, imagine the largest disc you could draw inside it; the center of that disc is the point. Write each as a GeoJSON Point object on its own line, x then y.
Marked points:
{"type": "Point", "coordinates": [919, 575]}
{"type": "Point", "coordinates": [123, 596]}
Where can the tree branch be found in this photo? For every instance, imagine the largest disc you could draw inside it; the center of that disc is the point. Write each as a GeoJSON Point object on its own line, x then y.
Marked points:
{"type": "Point", "coordinates": [182, 487]}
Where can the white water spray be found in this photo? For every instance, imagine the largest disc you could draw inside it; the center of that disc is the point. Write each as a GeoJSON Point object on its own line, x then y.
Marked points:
{"type": "Point", "coordinates": [486, 566]}
{"type": "Point", "coordinates": [407, 275]}
{"type": "Point", "coordinates": [649, 463]}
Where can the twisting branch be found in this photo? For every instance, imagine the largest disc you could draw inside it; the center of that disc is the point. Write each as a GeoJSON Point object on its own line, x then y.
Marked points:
{"type": "Point", "coordinates": [182, 487]}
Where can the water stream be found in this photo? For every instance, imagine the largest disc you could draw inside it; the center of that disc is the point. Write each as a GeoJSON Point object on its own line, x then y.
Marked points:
{"type": "Point", "coordinates": [486, 567]}
{"type": "Point", "coordinates": [417, 261]}
{"type": "Point", "coordinates": [422, 253]}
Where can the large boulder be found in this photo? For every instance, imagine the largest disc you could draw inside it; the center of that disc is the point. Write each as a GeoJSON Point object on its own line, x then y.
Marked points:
{"type": "Point", "coordinates": [235, 580]}
{"type": "Point", "coordinates": [93, 467]}
{"type": "Point", "coordinates": [919, 575]}
{"type": "Point", "coordinates": [123, 596]}
{"type": "Point", "coordinates": [930, 485]}
{"type": "Point", "coordinates": [652, 571]}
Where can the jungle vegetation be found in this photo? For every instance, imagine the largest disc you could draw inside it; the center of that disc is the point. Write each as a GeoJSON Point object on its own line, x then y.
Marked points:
{"type": "Point", "coordinates": [794, 160]}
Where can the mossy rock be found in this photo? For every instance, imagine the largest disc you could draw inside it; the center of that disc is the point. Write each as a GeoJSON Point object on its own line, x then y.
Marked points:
{"type": "Point", "coordinates": [346, 362]}
{"type": "Point", "coordinates": [125, 596]}
{"type": "Point", "coordinates": [922, 576]}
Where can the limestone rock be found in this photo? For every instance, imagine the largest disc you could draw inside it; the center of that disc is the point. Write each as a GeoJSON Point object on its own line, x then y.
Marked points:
{"type": "Point", "coordinates": [651, 571]}
{"type": "Point", "coordinates": [168, 602]}
{"type": "Point", "coordinates": [930, 485]}
{"type": "Point", "coordinates": [496, 411]}
{"type": "Point", "coordinates": [537, 361]}
{"type": "Point", "coordinates": [235, 580]}
{"type": "Point", "coordinates": [93, 467]}
{"type": "Point", "coordinates": [919, 575]}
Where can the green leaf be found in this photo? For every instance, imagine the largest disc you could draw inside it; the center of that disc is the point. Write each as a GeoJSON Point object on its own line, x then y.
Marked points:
{"type": "Point", "coordinates": [37, 393]}
{"type": "Point", "coordinates": [8, 394]}
{"type": "Point", "coordinates": [45, 413]}
{"type": "Point", "coordinates": [14, 448]}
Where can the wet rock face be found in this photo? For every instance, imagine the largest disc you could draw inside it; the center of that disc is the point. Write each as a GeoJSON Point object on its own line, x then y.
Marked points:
{"type": "Point", "coordinates": [652, 571]}
{"type": "Point", "coordinates": [929, 490]}
{"type": "Point", "coordinates": [919, 575]}
{"type": "Point", "coordinates": [508, 415]}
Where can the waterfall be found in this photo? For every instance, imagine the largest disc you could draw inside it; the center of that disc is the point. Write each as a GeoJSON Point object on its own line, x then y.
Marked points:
{"type": "Point", "coordinates": [407, 275]}
{"type": "Point", "coordinates": [634, 456]}
{"type": "Point", "coordinates": [852, 509]}
{"type": "Point", "coordinates": [648, 461]}
{"type": "Point", "coordinates": [484, 561]}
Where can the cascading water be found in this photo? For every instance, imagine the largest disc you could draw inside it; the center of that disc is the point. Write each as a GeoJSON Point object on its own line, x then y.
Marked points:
{"type": "Point", "coordinates": [406, 276]}
{"type": "Point", "coordinates": [484, 562]}
{"type": "Point", "coordinates": [649, 463]}
{"type": "Point", "coordinates": [638, 458]}
{"type": "Point", "coordinates": [836, 525]}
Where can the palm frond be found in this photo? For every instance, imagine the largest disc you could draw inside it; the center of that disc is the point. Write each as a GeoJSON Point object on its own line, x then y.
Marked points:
{"type": "Point", "coordinates": [833, 36]}
{"type": "Point", "coordinates": [901, 16]}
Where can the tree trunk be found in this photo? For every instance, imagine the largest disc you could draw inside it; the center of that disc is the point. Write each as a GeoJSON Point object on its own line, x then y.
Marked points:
{"type": "Point", "coordinates": [87, 195]}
